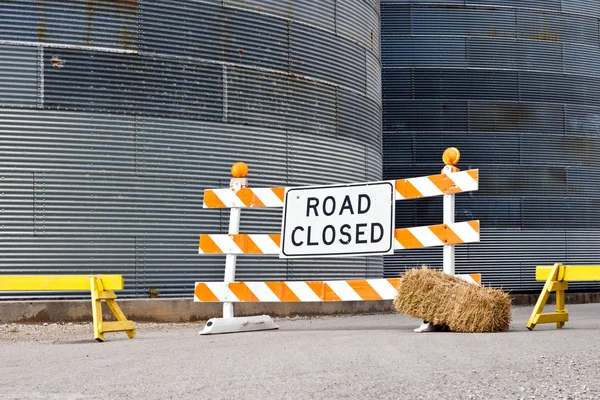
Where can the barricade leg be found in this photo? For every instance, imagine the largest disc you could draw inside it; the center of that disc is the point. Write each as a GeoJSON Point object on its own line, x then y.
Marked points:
{"type": "Point", "coordinates": [100, 327]}
{"type": "Point", "coordinates": [554, 283]}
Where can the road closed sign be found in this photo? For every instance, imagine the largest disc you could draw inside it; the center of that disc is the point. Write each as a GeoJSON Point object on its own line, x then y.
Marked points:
{"type": "Point", "coordinates": [340, 220]}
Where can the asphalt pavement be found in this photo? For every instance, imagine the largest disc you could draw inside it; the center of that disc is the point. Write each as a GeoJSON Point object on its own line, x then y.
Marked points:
{"type": "Point", "coordinates": [351, 357]}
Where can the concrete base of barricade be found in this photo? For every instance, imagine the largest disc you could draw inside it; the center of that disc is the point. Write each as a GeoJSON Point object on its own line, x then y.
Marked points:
{"type": "Point", "coordinates": [238, 324]}
{"type": "Point", "coordinates": [186, 310]}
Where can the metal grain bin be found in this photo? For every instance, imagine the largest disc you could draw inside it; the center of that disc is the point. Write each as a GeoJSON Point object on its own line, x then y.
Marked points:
{"type": "Point", "coordinates": [515, 86]}
{"type": "Point", "coordinates": [116, 115]}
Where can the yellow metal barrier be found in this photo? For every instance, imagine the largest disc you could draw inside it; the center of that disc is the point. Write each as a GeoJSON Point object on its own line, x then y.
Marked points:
{"type": "Point", "coordinates": [557, 278]}
{"type": "Point", "coordinates": [101, 287]}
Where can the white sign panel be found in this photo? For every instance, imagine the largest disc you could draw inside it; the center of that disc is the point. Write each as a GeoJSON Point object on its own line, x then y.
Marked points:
{"type": "Point", "coordinates": [340, 220]}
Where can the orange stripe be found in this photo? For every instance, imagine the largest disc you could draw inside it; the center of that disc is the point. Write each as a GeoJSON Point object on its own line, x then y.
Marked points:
{"type": "Point", "coordinates": [249, 198]}
{"type": "Point", "coordinates": [276, 238]}
{"type": "Point", "coordinates": [208, 246]}
{"type": "Point", "coordinates": [364, 290]}
{"type": "Point", "coordinates": [282, 291]}
{"type": "Point", "coordinates": [476, 278]}
{"type": "Point", "coordinates": [394, 282]}
{"type": "Point", "coordinates": [474, 174]}
{"type": "Point", "coordinates": [211, 200]}
{"type": "Point", "coordinates": [246, 244]}
{"type": "Point", "coordinates": [323, 290]}
{"type": "Point", "coordinates": [407, 239]}
{"type": "Point", "coordinates": [410, 191]}
{"type": "Point", "coordinates": [445, 184]}
{"type": "Point", "coordinates": [474, 225]}
{"type": "Point", "coordinates": [242, 291]}
{"type": "Point", "coordinates": [445, 234]}
{"type": "Point", "coordinates": [279, 192]}
{"type": "Point", "coordinates": [203, 293]}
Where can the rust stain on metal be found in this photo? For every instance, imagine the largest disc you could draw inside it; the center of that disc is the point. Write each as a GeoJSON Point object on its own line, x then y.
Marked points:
{"type": "Point", "coordinates": [57, 62]}
{"type": "Point", "coordinates": [41, 23]}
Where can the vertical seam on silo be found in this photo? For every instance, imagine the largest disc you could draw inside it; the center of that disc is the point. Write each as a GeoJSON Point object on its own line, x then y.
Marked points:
{"type": "Point", "coordinates": [33, 203]}
{"type": "Point", "coordinates": [41, 77]}
{"type": "Point", "coordinates": [289, 46]}
{"type": "Point", "coordinates": [135, 144]}
{"type": "Point", "coordinates": [335, 21]}
{"type": "Point", "coordinates": [225, 93]}
{"type": "Point", "coordinates": [135, 266]}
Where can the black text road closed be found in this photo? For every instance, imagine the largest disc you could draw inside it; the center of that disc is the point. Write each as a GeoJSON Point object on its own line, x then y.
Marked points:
{"type": "Point", "coordinates": [340, 220]}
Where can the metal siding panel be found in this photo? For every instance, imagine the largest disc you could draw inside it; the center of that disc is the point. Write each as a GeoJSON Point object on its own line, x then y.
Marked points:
{"type": "Point", "coordinates": [267, 99]}
{"type": "Point", "coordinates": [424, 52]}
{"type": "Point", "coordinates": [16, 203]}
{"type": "Point", "coordinates": [359, 118]}
{"type": "Point", "coordinates": [395, 20]}
{"type": "Point", "coordinates": [581, 60]}
{"type": "Point", "coordinates": [557, 27]}
{"type": "Point", "coordinates": [34, 140]}
{"type": "Point", "coordinates": [19, 72]}
{"type": "Point", "coordinates": [560, 151]}
{"type": "Point", "coordinates": [583, 247]}
{"type": "Point", "coordinates": [583, 7]}
{"type": "Point", "coordinates": [101, 23]}
{"type": "Point", "coordinates": [115, 204]}
{"type": "Point", "coordinates": [557, 88]}
{"type": "Point", "coordinates": [175, 148]}
{"type": "Point", "coordinates": [120, 83]}
{"type": "Point", "coordinates": [396, 84]}
{"type": "Point", "coordinates": [325, 56]}
{"type": "Point", "coordinates": [197, 30]}
{"type": "Point", "coordinates": [552, 5]}
{"type": "Point", "coordinates": [359, 23]}
{"type": "Point", "coordinates": [425, 116]}
{"type": "Point", "coordinates": [317, 13]}
{"type": "Point", "coordinates": [516, 118]}
{"type": "Point", "coordinates": [582, 120]}
{"type": "Point", "coordinates": [514, 54]}
{"type": "Point", "coordinates": [560, 212]}
{"type": "Point", "coordinates": [462, 22]}
{"type": "Point", "coordinates": [465, 85]}
{"type": "Point", "coordinates": [373, 77]}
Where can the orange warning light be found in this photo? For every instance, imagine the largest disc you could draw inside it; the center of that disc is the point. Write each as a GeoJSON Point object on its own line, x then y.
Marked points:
{"type": "Point", "coordinates": [239, 170]}
{"type": "Point", "coordinates": [451, 156]}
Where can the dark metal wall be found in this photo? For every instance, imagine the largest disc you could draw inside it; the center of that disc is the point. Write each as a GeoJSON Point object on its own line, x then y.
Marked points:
{"type": "Point", "coordinates": [115, 115]}
{"type": "Point", "coordinates": [515, 86]}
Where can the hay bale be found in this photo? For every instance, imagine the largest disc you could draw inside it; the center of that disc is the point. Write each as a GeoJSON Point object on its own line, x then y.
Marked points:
{"type": "Point", "coordinates": [443, 299]}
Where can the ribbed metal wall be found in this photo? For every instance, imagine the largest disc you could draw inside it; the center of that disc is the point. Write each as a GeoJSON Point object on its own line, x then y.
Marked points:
{"type": "Point", "coordinates": [116, 115]}
{"type": "Point", "coordinates": [515, 86]}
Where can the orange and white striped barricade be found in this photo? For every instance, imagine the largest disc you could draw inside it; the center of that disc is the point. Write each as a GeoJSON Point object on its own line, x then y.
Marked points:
{"type": "Point", "coordinates": [342, 226]}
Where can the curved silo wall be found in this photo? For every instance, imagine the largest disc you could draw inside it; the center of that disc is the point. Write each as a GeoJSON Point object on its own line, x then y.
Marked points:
{"type": "Point", "coordinates": [515, 85]}
{"type": "Point", "coordinates": [116, 115]}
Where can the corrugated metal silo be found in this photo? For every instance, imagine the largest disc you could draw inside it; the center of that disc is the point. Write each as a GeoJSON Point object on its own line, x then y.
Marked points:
{"type": "Point", "coordinates": [514, 85]}
{"type": "Point", "coordinates": [116, 114]}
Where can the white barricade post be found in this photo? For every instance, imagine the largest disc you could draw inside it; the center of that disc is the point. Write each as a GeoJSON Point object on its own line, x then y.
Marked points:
{"type": "Point", "coordinates": [328, 221]}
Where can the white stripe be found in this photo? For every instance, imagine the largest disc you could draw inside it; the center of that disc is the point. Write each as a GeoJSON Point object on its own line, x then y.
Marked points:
{"type": "Point", "coordinates": [425, 236]}
{"type": "Point", "coordinates": [343, 290]}
{"type": "Point", "coordinates": [398, 245]}
{"type": "Point", "coordinates": [424, 185]}
{"type": "Point", "coordinates": [262, 291]}
{"type": "Point", "coordinates": [465, 231]}
{"type": "Point", "coordinates": [265, 244]}
{"type": "Point", "coordinates": [222, 292]}
{"type": "Point", "coordinates": [464, 181]}
{"type": "Point", "coordinates": [268, 197]}
{"type": "Point", "coordinates": [467, 278]}
{"type": "Point", "coordinates": [226, 244]}
{"type": "Point", "coordinates": [384, 288]}
{"type": "Point", "coordinates": [303, 291]}
{"type": "Point", "coordinates": [229, 198]}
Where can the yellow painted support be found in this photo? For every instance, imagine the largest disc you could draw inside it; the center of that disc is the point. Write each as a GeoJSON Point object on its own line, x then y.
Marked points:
{"type": "Point", "coordinates": [38, 283]}
{"type": "Point", "coordinates": [101, 287]}
{"type": "Point", "coordinates": [555, 282]}
{"type": "Point", "coordinates": [100, 293]}
{"type": "Point", "coordinates": [572, 273]}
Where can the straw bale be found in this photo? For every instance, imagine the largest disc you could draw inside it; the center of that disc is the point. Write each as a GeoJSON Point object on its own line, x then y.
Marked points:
{"type": "Point", "coordinates": [446, 300]}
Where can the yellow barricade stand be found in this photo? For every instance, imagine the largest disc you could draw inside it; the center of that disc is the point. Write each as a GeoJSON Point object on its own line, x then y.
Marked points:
{"type": "Point", "coordinates": [557, 279]}
{"type": "Point", "coordinates": [101, 287]}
